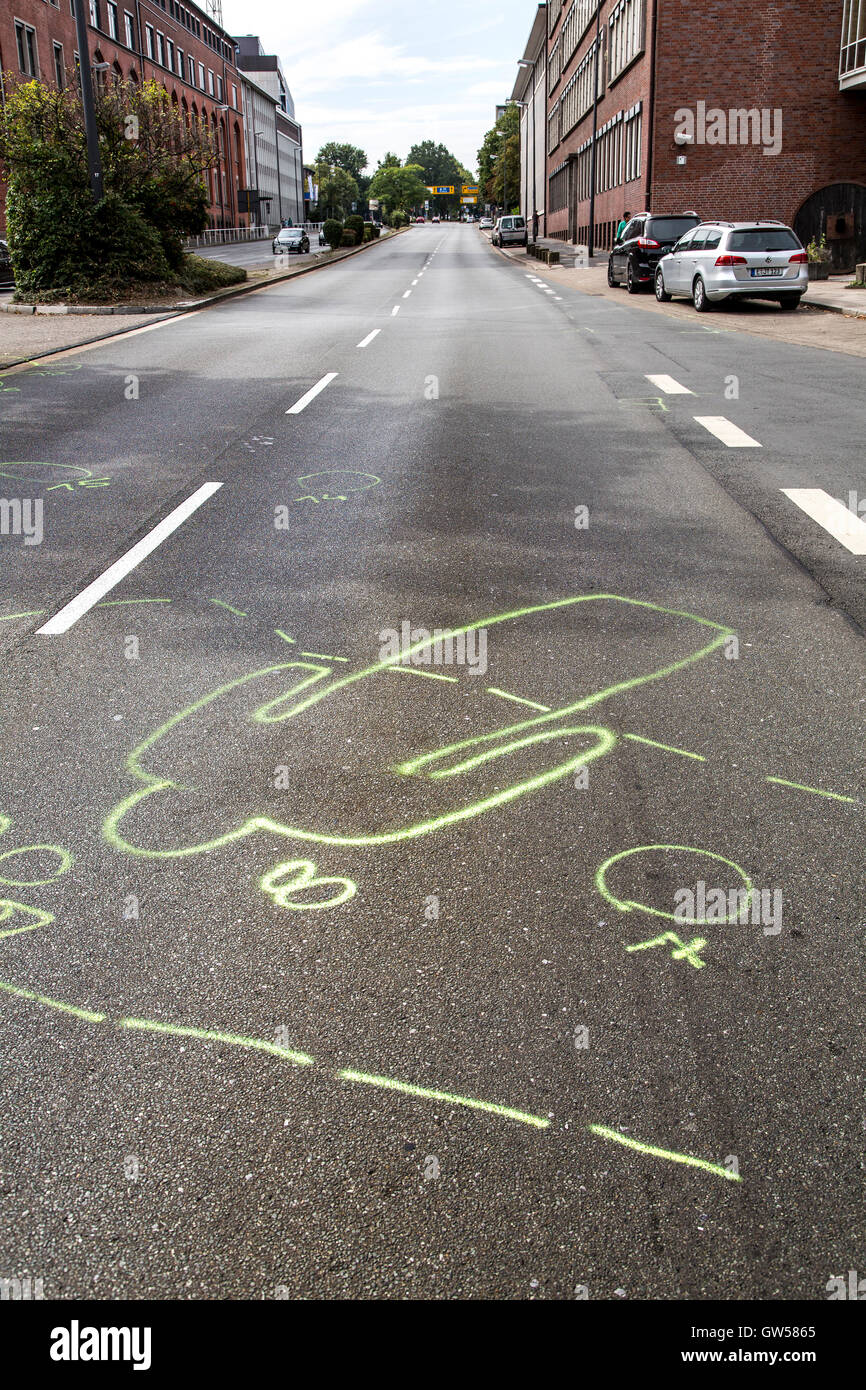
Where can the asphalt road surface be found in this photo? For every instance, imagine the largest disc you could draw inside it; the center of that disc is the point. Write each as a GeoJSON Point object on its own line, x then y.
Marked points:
{"type": "Point", "coordinates": [254, 254]}
{"type": "Point", "coordinates": [327, 973]}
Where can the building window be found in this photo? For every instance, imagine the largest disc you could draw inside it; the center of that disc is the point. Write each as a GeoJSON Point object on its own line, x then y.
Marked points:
{"type": "Point", "coordinates": [555, 65]}
{"type": "Point", "coordinates": [627, 30]}
{"type": "Point", "coordinates": [25, 37]}
{"type": "Point", "coordinates": [577, 94]}
{"type": "Point", "coordinates": [201, 76]}
{"type": "Point", "coordinates": [633, 122]}
{"type": "Point", "coordinates": [160, 49]}
{"type": "Point", "coordinates": [557, 194]}
{"type": "Point", "coordinates": [853, 54]}
{"type": "Point", "coordinates": [148, 31]}
{"type": "Point", "coordinates": [219, 89]}
{"type": "Point", "coordinates": [180, 67]}
{"type": "Point", "coordinates": [234, 96]}
{"type": "Point", "coordinates": [94, 14]}
{"type": "Point", "coordinates": [59, 66]}
{"type": "Point", "coordinates": [210, 82]}
{"type": "Point", "coordinates": [112, 20]}
{"type": "Point", "coordinates": [169, 46]}
{"type": "Point", "coordinates": [553, 128]}
{"type": "Point", "coordinates": [129, 29]}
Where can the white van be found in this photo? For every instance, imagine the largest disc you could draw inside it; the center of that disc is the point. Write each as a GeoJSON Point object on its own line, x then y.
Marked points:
{"type": "Point", "coordinates": [509, 231]}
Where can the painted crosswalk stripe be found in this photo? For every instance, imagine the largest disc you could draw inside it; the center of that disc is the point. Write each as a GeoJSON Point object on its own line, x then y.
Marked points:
{"type": "Point", "coordinates": [843, 524]}
{"type": "Point", "coordinates": [83, 602]}
{"type": "Point", "coordinates": [727, 432]}
{"type": "Point", "coordinates": [311, 394]}
{"type": "Point", "coordinates": [669, 385]}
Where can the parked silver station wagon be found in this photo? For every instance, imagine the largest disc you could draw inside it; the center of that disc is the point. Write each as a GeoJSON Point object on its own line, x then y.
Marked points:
{"type": "Point", "coordinates": [730, 260]}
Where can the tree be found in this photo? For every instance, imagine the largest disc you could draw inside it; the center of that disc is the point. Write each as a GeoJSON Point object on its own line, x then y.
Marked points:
{"type": "Point", "coordinates": [153, 165]}
{"type": "Point", "coordinates": [337, 191]}
{"type": "Point", "coordinates": [499, 160]}
{"type": "Point", "coordinates": [350, 158]}
{"type": "Point", "coordinates": [399, 189]}
{"type": "Point", "coordinates": [389, 161]}
{"type": "Point", "coordinates": [440, 166]}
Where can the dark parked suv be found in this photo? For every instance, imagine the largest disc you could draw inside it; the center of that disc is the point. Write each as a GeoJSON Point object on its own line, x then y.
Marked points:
{"type": "Point", "coordinates": [6, 275]}
{"type": "Point", "coordinates": [647, 238]}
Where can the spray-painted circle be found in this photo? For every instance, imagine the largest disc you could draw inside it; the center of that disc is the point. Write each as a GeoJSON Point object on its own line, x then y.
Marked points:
{"type": "Point", "coordinates": [627, 905]}
{"type": "Point", "coordinates": [65, 863]}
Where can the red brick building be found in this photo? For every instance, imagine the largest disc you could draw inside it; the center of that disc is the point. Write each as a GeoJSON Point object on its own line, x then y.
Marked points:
{"type": "Point", "coordinates": [736, 109]}
{"type": "Point", "coordinates": [176, 44]}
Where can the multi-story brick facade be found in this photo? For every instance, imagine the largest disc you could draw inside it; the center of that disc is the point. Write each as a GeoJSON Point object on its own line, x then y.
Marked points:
{"type": "Point", "coordinates": [777, 129]}
{"type": "Point", "coordinates": [176, 44]}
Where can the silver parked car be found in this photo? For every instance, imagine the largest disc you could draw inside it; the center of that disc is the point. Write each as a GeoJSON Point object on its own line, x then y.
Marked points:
{"type": "Point", "coordinates": [735, 260]}
{"type": "Point", "coordinates": [509, 231]}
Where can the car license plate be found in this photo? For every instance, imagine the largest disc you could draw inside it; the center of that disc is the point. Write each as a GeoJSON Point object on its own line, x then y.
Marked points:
{"type": "Point", "coordinates": [763, 274]}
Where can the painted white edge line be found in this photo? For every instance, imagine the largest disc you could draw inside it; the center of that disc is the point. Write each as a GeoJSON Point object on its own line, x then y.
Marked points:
{"type": "Point", "coordinates": [847, 528]}
{"type": "Point", "coordinates": [369, 338]}
{"type": "Point", "coordinates": [669, 385]}
{"type": "Point", "coordinates": [311, 394]}
{"type": "Point", "coordinates": [727, 432]}
{"type": "Point", "coordinates": [83, 602]}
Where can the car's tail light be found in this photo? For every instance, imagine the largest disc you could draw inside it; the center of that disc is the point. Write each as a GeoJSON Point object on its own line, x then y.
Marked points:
{"type": "Point", "coordinates": [799, 258]}
{"type": "Point", "coordinates": [647, 241]}
{"type": "Point", "coordinates": [732, 260]}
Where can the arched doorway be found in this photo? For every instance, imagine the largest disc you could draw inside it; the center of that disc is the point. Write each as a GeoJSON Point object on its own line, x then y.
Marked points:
{"type": "Point", "coordinates": [839, 213]}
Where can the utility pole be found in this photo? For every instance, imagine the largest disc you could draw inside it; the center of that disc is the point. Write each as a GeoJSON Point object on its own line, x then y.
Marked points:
{"type": "Point", "coordinates": [94, 163]}
{"type": "Point", "coordinates": [591, 247]}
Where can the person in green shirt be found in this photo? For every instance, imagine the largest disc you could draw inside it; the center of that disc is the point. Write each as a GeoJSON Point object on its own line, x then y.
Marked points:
{"type": "Point", "coordinates": [624, 221]}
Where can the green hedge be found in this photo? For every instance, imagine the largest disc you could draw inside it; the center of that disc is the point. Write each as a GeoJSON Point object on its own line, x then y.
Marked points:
{"type": "Point", "coordinates": [199, 275]}
{"type": "Point", "coordinates": [333, 231]}
{"type": "Point", "coordinates": [348, 238]}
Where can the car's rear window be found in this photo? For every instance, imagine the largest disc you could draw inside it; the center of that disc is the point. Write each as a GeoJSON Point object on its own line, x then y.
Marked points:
{"type": "Point", "coordinates": [764, 239]}
{"type": "Point", "coordinates": [669, 228]}
{"type": "Point", "coordinates": [518, 222]}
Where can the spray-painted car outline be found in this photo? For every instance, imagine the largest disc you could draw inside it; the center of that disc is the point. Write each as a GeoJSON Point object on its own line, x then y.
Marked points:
{"type": "Point", "coordinates": [537, 729]}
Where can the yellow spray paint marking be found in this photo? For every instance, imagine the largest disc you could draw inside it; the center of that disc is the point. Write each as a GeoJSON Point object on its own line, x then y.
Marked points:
{"type": "Point", "coordinates": [666, 747]}
{"type": "Point", "coordinates": [8, 909]}
{"type": "Point", "coordinates": [604, 1133]}
{"type": "Point", "coordinates": [389, 1084]}
{"type": "Point", "coordinates": [237, 612]}
{"type": "Point", "coordinates": [10, 617]}
{"type": "Point", "coordinates": [627, 905]}
{"type": "Point", "coordinates": [506, 740]}
{"type": "Point", "coordinates": [427, 675]}
{"type": "Point", "coordinates": [337, 473]}
{"type": "Point", "coordinates": [302, 875]}
{"type": "Point", "coordinates": [517, 699]}
{"type": "Point", "coordinates": [689, 952]}
{"type": "Point", "coordinates": [815, 791]}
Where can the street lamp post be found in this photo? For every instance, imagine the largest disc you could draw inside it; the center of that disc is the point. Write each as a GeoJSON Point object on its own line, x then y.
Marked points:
{"type": "Point", "coordinates": [94, 163]}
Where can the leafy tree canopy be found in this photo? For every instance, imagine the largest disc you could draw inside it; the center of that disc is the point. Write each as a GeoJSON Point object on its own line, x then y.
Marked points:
{"type": "Point", "coordinates": [400, 188]}
{"type": "Point", "coordinates": [499, 160]}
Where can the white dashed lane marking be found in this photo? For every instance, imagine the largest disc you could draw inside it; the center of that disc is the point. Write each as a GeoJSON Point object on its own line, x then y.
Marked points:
{"type": "Point", "coordinates": [369, 338]}
{"type": "Point", "coordinates": [311, 394]}
{"type": "Point", "coordinates": [843, 524]}
{"type": "Point", "coordinates": [727, 432]}
{"type": "Point", "coordinates": [98, 588]}
{"type": "Point", "coordinates": [669, 385]}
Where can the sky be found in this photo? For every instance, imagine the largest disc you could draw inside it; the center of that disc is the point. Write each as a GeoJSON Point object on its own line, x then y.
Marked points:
{"type": "Point", "coordinates": [387, 74]}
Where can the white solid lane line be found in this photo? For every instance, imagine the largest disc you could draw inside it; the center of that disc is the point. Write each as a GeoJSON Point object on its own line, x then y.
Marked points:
{"type": "Point", "coordinates": [76, 607]}
{"type": "Point", "coordinates": [727, 432]}
{"type": "Point", "coordinates": [369, 338]}
{"type": "Point", "coordinates": [848, 528]}
{"type": "Point", "coordinates": [311, 394]}
{"type": "Point", "coordinates": [669, 385]}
